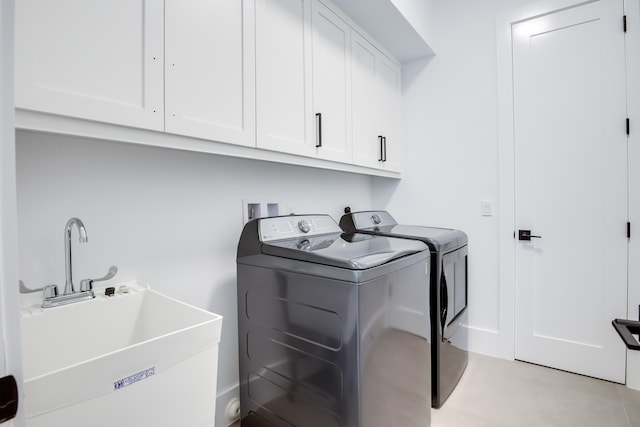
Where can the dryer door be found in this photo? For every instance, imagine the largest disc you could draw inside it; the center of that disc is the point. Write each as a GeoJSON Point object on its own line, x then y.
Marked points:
{"type": "Point", "coordinates": [453, 291]}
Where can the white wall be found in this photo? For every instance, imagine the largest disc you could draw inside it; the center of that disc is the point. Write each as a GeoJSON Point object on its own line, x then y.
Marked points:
{"type": "Point", "coordinates": [169, 218]}
{"type": "Point", "coordinates": [420, 14]}
{"type": "Point", "coordinates": [452, 136]}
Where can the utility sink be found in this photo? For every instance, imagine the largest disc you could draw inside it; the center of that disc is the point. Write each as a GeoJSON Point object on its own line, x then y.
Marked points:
{"type": "Point", "coordinates": [138, 358]}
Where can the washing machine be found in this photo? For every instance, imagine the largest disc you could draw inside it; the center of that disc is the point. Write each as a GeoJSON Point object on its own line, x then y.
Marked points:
{"type": "Point", "coordinates": [333, 329]}
{"type": "Point", "coordinates": [449, 339]}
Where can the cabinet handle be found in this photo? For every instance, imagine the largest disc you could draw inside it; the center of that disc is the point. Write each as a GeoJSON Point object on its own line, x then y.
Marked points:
{"type": "Point", "coordinates": [381, 139]}
{"type": "Point", "coordinates": [318, 130]}
{"type": "Point", "coordinates": [384, 143]}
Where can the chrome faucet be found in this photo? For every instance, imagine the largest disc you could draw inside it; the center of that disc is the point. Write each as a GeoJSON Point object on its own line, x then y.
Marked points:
{"type": "Point", "coordinates": [68, 285]}
{"type": "Point", "coordinates": [50, 292]}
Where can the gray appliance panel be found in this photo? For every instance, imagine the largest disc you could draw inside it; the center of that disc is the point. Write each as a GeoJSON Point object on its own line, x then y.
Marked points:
{"type": "Point", "coordinates": [291, 226]}
{"type": "Point", "coordinates": [345, 275]}
{"type": "Point", "coordinates": [352, 251]}
{"type": "Point", "coordinates": [320, 352]}
{"type": "Point", "coordinates": [439, 239]}
{"type": "Point", "coordinates": [322, 340]}
{"type": "Point", "coordinates": [448, 291]}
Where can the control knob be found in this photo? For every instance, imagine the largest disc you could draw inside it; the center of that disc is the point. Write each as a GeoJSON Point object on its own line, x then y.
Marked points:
{"type": "Point", "coordinates": [376, 218]}
{"type": "Point", "coordinates": [304, 225]}
{"type": "Point", "coordinates": [304, 245]}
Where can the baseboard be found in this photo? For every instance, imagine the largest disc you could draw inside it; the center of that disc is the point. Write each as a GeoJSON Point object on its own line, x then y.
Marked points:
{"type": "Point", "coordinates": [490, 343]}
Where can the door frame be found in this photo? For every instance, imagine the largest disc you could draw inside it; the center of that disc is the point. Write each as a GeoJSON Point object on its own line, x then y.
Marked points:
{"type": "Point", "coordinates": [506, 161]}
{"type": "Point", "coordinates": [632, 10]}
{"type": "Point", "coordinates": [11, 357]}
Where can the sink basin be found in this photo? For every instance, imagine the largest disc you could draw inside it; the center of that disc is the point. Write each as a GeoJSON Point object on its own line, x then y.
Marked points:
{"type": "Point", "coordinates": [133, 359]}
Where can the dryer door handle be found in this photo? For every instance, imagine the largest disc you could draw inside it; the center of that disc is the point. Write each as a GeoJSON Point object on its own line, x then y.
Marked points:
{"type": "Point", "coordinates": [444, 301]}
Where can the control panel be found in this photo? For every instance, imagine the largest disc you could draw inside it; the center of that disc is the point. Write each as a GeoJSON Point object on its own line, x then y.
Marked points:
{"type": "Point", "coordinates": [290, 227]}
{"type": "Point", "coordinates": [371, 219]}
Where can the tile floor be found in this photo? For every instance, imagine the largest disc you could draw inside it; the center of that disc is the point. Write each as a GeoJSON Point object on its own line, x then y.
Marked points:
{"type": "Point", "coordinates": [500, 393]}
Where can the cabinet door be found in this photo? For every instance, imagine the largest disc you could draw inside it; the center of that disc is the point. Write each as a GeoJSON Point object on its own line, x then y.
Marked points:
{"type": "Point", "coordinates": [283, 64]}
{"type": "Point", "coordinates": [377, 107]}
{"type": "Point", "coordinates": [92, 59]}
{"type": "Point", "coordinates": [331, 84]}
{"type": "Point", "coordinates": [366, 132]}
{"type": "Point", "coordinates": [209, 89]}
{"type": "Point", "coordinates": [388, 78]}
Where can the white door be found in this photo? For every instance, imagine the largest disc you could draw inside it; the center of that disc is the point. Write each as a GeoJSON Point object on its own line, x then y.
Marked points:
{"type": "Point", "coordinates": [571, 188]}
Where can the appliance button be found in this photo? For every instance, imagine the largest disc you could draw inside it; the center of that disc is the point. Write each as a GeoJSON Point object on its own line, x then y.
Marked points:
{"type": "Point", "coordinates": [376, 218]}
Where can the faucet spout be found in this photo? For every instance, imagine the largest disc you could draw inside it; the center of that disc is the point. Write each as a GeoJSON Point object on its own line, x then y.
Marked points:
{"type": "Point", "coordinates": [68, 285]}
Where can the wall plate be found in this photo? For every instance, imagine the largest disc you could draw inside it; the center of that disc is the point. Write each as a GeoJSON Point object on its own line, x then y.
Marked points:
{"type": "Point", "coordinates": [252, 209]}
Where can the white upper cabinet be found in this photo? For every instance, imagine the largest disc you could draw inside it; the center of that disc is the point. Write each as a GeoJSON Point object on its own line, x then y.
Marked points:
{"type": "Point", "coordinates": [367, 137]}
{"type": "Point", "coordinates": [290, 77]}
{"type": "Point", "coordinates": [331, 84]}
{"type": "Point", "coordinates": [92, 59]}
{"type": "Point", "coordinates": [283, 63]}
{"type": "Point", "coordinates": [377, 107]}
{"type": "Point", "coordinates": [210, 78]}
{"type": "Point", "coordinates": [391, 113]}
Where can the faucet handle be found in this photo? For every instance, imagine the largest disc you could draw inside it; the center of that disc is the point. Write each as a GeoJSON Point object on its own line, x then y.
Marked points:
{"type": "Point", "coordinates": [87, 284]}
{"type": "Point", "coordinates": [25, 290]}
{"type": "Point", "coordinates": [50, 291]}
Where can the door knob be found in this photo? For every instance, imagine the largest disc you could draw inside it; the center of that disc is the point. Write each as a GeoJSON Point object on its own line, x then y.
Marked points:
{"type": "Point", "coordinates": [526, 235]}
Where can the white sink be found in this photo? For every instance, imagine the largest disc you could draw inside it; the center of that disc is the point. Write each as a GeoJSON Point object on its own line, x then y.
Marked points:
{"type": "Point", "coordinates": [134, 359]}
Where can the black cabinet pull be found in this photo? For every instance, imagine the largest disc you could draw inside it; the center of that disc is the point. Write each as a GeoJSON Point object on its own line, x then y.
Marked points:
{"type": "Point", "coordinates": [318, 130]}
{"type": "Point", "coordinates": [384, 143]}
{"type": "Point", "coordinates": [381, 139]}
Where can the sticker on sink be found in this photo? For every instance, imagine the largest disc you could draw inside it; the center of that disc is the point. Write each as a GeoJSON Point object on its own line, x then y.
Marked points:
{"type": "Point", "coordinates": [132, 379]}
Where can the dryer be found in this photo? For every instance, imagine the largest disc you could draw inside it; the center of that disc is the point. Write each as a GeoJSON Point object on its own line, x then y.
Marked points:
{"type": "Point", "coordinates": [333, 327]}
{"type": "Point", "coordinates": [449, 292]}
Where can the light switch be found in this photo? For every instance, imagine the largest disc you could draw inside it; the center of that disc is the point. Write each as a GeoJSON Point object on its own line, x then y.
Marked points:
{"type": "Point", "coordinates": [486, 207]}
